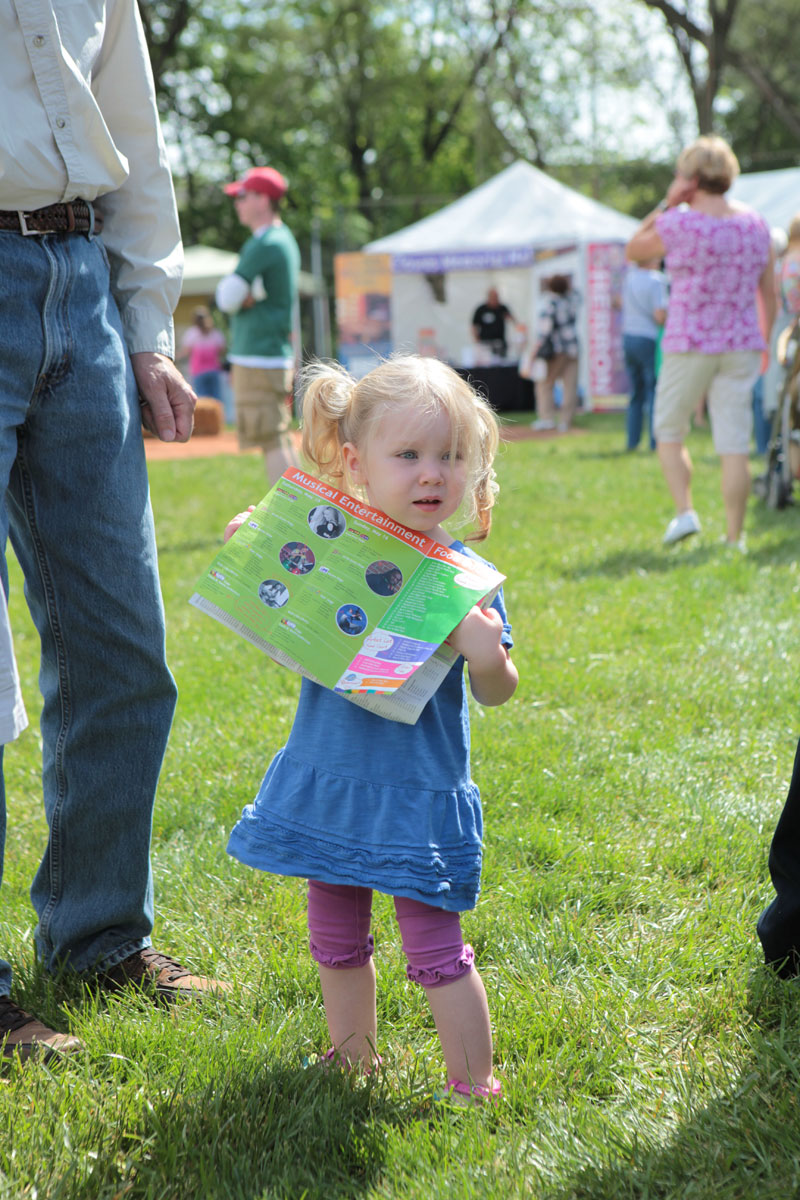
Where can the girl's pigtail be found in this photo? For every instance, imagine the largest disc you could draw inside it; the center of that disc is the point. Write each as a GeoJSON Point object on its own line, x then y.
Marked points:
{"type": "Point", "coordinates": [327, 394]}
{"type": "Point", "coordinates": [485, 486]}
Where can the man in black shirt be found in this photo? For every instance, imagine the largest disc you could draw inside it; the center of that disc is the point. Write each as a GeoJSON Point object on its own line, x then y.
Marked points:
{"type": "Point", "coordinates": [489, 323]}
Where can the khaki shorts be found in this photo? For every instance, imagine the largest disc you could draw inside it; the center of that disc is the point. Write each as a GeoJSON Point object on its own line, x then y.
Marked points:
{"type": "Point", "coordinates": [727, 380]}
{"type": "Point", "coordinates": [263, 405]}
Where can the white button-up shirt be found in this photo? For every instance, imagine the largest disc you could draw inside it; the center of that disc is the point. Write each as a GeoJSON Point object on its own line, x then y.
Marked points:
{"type": "Point", "coordinates": [13, 718]}
{"type": "Point", "coordinates": [79, 120]}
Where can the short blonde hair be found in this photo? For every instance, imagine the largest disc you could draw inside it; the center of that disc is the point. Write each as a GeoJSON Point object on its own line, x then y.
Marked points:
{"type": "Point", "coordinates": [711, 161]}
{"type": "Point", "coordinates": [337, 408]}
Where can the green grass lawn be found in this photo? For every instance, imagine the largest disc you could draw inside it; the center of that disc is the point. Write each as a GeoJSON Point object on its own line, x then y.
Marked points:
{"type": "Point", "coordinates": [630, 791]}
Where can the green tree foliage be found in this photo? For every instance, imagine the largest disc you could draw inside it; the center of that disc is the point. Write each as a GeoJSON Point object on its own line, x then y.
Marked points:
{"type": "Point", "coordinates": [740, 60]}
{"type": "Point", "coordinates": [379, 113]}
{"type": "Point", "coordinates": [368, 107]}
{"type": "Point", "coordinates": [762, 104]}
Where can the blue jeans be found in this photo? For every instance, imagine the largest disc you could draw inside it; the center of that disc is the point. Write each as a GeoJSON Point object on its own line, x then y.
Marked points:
{"type": "Point", "coordinates": [215, 384]}
{"type": "Point", "coordinates": [640, 361]}
{"type": "Point", "coordinates": [77, 507]}
{"type": "Point", "coordinates": [762, 425]}
{"type": "Point", "coordinates": [208, 383]}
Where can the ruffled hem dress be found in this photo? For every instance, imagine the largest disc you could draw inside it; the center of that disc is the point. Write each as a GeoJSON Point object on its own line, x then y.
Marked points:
{"type": "Point", "coordinates": [353, 798]}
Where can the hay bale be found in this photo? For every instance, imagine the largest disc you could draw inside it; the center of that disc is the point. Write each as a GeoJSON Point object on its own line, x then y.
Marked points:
{"type": "Point", "coordinates": [209, 418]}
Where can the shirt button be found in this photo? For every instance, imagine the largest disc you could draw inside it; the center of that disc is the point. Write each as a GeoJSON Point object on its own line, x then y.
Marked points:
{"type": "Point", "coordinates": [39, 40]}
{"type": "Point", "coordinates": [60, 123]}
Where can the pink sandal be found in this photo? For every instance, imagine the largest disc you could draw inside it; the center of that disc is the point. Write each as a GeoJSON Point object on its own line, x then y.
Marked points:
{"type": "Point", "coordinates": [476, 1093]}
{"type": "Point", "coordinates": [338, 1058]}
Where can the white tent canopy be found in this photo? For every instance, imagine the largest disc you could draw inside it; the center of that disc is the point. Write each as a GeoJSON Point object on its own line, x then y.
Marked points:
{"type": "Point", "coordinates": [520, 207]}
{"type": "Point", "coordinates": [508, 233]}
{"type": "Point", "coordinates": [204, 266]}
{"type": "Point", "coordinates": [775, 194]}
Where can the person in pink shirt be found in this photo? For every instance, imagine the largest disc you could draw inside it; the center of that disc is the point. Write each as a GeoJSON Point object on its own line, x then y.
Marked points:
{"type": "Point", "coordinates": [204, 345]}
{"type": "Point", "coordinates": [718, 255]}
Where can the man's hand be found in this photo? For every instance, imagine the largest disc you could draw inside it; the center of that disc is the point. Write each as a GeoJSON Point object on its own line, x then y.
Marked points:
{"type": "Point", "coordinates": [167, 401]}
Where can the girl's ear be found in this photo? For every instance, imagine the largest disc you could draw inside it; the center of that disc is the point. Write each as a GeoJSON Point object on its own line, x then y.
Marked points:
{"type": "Point", "coordinates": [351, 460]}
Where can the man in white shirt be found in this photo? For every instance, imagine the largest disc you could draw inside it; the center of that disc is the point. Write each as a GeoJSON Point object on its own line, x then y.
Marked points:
{"type": "Point", "coordinates": [90, 263]}
{"type": "Point", "coordinates": [13, 718]}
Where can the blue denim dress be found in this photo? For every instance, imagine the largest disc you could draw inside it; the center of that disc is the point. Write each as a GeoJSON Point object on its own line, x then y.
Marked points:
{"type": "Point", "coordinates": [353, 798]}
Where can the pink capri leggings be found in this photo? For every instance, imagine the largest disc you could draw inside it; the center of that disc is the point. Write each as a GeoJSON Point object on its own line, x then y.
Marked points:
{"type": "Point", "coordinates": [339, 936]}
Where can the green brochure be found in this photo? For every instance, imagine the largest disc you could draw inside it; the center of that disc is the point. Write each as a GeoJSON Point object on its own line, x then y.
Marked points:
{"type": "Point", "coordinates": [341, 593]}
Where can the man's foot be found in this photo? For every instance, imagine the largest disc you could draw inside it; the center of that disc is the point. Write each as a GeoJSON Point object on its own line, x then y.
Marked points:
{"type": "Point", "coordinates": [23, 1037]}
{"type": "Point", "coordinates": [682, 526]}
{"type": "Point", "coordinates": [159, 976]}
{"type": "Point", "coordinates": [542, 425]}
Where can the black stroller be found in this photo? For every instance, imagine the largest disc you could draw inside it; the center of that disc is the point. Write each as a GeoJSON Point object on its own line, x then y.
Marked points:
{"type": "Point", "coordinates": [783, 453]}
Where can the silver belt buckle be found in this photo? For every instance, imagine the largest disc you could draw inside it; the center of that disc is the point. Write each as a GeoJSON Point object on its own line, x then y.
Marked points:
{"type": "Point", "coordinates": [23, 225]}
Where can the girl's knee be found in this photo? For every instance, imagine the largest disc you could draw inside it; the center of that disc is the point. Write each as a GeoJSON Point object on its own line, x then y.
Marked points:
{"type": "Point", "coordinates": [446, 970]}
{"type": "Point", "coordinates": [433, 944]}
{"type": "Point", "coordinates": [338, 925]}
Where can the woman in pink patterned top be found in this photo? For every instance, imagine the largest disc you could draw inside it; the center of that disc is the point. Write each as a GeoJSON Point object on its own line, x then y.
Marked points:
{"type": "Point", "coordinates": [718, 255]}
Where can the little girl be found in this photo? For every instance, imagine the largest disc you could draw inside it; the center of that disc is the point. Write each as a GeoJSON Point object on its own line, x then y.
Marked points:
{"type": "Point", "coordinates": [355, 802]}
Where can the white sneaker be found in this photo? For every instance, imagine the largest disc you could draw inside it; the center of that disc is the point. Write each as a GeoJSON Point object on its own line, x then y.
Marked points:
{"type": "Point", "coordinates": [682, 526]}
{"type": "Point", "coordinates": [542, 424]}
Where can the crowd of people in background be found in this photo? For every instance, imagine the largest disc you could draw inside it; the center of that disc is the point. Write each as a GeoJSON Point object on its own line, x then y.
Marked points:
{"type": "Point", "coordinates": [109, 696]}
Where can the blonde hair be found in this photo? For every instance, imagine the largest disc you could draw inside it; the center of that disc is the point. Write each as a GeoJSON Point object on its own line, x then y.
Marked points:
{"type": "Point", "coordinates": [711, 161]}
{"type": "Point", "coordinates": [794, 228]}
{"type": "Point", "coordinates": [338, 408]}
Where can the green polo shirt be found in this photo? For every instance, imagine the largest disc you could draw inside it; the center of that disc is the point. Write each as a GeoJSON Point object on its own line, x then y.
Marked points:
{"type": "Point", "coordinates": [264, 330]}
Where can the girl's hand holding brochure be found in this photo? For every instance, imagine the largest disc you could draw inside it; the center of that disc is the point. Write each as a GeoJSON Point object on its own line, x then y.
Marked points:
{"type": "Point", "coordinates": [492, 675]}
{"type": "Point", "coordinates": [236, 523]}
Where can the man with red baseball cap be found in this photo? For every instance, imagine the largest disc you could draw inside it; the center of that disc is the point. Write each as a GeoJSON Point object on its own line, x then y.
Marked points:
{"type": "Point", "coordinates": [266, 181]}
{"type": "Point", "coordinates": [260, 297]}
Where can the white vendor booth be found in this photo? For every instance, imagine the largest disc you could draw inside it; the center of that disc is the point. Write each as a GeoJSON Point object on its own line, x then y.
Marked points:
{"type": "Point", "coordinates": [510, 233]}
{"type": "Point", "coordinates": [775, 194]}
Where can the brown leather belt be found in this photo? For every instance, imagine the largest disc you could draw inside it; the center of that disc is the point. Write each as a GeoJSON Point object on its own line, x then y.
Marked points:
{"type": "Point", "coordinates": [77, 217]}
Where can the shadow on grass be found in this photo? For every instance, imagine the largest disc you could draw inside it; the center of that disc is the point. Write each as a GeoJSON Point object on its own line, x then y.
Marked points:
{"type": "Point", "coordinates": [265, 1130]}
{"type": "Point", "coordinates": [657, 561]}
{"type": "Point", "coordinates": [259, 1129]}
{"type": "Point", "coordinates": [256, 1128]}
{"type": "Point", "coordinates": [609, 455]}
{"type": "Point", "coordinates": [642, 456]}
{"type": "Point", "coordinates": [780, 550]}
{"type": "Point", "coordinates": [745, 1145]}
